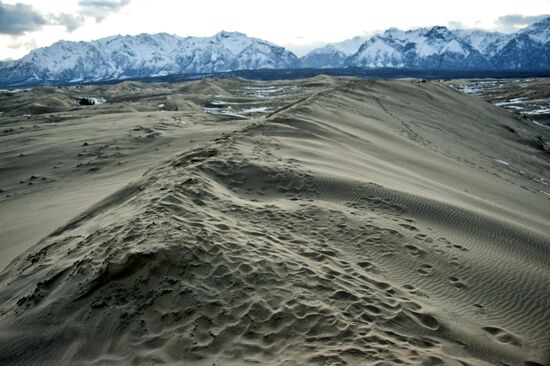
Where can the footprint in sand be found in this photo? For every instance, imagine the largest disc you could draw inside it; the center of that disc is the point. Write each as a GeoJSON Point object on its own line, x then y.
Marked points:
{"type": "Point", "coordinates": [502, 335]}
{"type": "Point", "coordinates": [409, 227]}
{"type": "Point", "coordinates": [424, 319]}
{"type": "Point", "coordinates": [479, 307]}
{"type": "Point", "coordinates": [459, 247]}
{"type": "Point", "coordinates": [425, 269]}
{"type": "Point", "coordinates": [414, 250]}
{"type": "Point", "coordinates": [456, 282]}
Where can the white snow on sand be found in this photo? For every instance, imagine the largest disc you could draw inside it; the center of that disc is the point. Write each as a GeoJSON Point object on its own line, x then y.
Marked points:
{"type": "Point", "coordinates": [99, 100]}
{"type": "Point", "coordinates": [538, 112]}
{"type": "Point", "coordinates": [502, 162]}
{"type": "Point", "coordinates": [226, 112]}
{"type": "Point", "coordinates": [521, 100]}
{"type": "Point", "coordinates": [270, 92]}
{"type": "Point", "coordinates": [255, 110]}
{"type": "Point", "coordinates": [539, 124]}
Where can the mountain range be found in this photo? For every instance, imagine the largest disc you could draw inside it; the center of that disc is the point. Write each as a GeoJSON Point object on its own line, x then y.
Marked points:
{"type": "Point", "coordinates": [146, 55]}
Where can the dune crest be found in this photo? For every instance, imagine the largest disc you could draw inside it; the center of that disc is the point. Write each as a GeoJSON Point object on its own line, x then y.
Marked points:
{"type": "Point", "coordinates": [359, 222]}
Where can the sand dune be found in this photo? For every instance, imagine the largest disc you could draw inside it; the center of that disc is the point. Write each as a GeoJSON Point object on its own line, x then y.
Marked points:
{"type": "Point", "coordinates": [344, 222]}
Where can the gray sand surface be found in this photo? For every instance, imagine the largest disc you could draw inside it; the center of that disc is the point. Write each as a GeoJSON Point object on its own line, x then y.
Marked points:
{"type": "Point", "coordinates": [327, 221]}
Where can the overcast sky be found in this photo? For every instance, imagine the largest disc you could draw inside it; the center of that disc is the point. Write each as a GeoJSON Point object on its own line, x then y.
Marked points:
{"type": "Point", "coordinates": [297, 25]}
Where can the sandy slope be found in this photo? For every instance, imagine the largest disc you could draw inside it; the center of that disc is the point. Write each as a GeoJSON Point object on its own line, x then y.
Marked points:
{"type": "Point", "coordinates": [355, 222]}
{"type": "Point", "coordinates": [55, 164]}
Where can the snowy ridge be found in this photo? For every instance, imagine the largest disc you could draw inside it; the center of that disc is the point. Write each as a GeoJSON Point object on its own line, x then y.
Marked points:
{"type": "Point", "coordinates": [441, 48]}
{"type": "Point", "coordinates": [332, 55]}
{"type": "Point", "coordinates": [436, 47]}
{"type": "Point", "coordinates": [148, 55]}
{"type": "Point", "coordinates": [121, 57]}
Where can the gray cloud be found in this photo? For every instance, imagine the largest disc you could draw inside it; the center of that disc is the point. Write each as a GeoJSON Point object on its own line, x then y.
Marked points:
{"type": "Point", "coordinates": [20, 18]}
{"type": "Point", "coordinates": [513, 22]}
{"type": "Point", "coordinates": [70, 21]}
{"type": "Point", "coordinates": [99, 9]}
{"type": "Point", "coordinates": [456, 25]}
{"type": "Point", "coordinates": [27, 45]}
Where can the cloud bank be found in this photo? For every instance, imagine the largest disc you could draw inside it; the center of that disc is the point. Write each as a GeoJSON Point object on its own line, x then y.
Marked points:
{"type": "Point", "coordinates": [18, 19]}
{"type": "Point", "coordinates": [513, 22]}
{"type": "Point", "coordinates": [100, 9]}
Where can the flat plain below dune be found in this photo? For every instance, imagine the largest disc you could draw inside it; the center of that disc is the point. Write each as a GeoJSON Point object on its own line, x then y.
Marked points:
{"type": "Point", "coordinates": [326, 221]}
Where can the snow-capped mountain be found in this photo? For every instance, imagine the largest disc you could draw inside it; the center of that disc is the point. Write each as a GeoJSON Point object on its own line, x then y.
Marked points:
{"type": "Point", "coordinates": [326, 57]}
{"type": "Point", "coordinates": [145, 55]}
{"type": "Point", "coordinates": [442, 48]}
{"type": "Point", "coordinates": [436, 47]}
{"type": "Point", "coordinates": [528, 49]}
{"type": "Point", "coordinates": [486, 43]}
{"type": "Point", "coordinates": [121, 57]}
{"type": "Point", "coordinates": [332, 55]}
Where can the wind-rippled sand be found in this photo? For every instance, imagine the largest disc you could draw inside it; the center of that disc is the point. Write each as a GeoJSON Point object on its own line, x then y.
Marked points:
{"type": "Point", "coordinates": [334, 222]}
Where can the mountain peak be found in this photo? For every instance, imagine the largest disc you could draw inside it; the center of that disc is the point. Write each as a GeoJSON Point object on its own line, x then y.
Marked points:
{"type": "Point", "coordinates": [538, 32]}
{"type": "Point", "coordinates": [545, 22]}
{"type": "Point", "coordinates": [439, 32]}
{"type": "Point", "coordinates": [392, 31]}
{"type": "Point", "coordinates": [226, 34]}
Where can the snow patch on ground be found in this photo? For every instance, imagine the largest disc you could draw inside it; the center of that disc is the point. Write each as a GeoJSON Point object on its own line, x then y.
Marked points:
{"type": "Point", "coordinates": [539, 124]}
{"type": "Point", "coordinates": [221, 102]}
{"type": "Point", "coordinates": [538, 112]}
{"type": "Point", "coordinates": [226, 109]}
{"type": "Point", "coordinates": [502, 162]}
{"type": "Point", "coordinates": [14, 90]}
{"type": "Point", "coordinates": [513, 101]}
{"type": "Point", "coordinates": [270, 92]}
{"type": "Point", "coordinates": [99, 100]}
{"type": "Point", "coordinates": [226, 112]}
{"type": "Point", "coordinates": [255, 110]}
